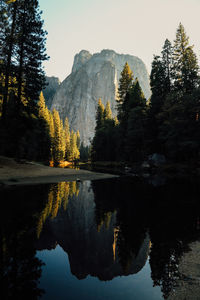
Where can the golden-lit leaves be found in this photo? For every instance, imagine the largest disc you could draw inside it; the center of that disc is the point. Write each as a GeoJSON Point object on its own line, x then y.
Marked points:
{"type": "Point", "coordinates": [58, 197]}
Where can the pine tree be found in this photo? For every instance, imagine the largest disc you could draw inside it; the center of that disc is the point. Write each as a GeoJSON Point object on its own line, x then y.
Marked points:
{"type": "Point", "coordinates": [45, 138]}
{"type": "Point", "coordinates": [103, 144]}
{"type": "Point", "coordinates": [30, 50]}
{"type": "Point", "coordinates": [78, 139]}
{"type": "Point", "coordinates": [22, 53]}
{"type": "Point", "coordinates": [42, 108]}
{"type": "Point", "coordinates": [74, 152]}
{"type": "Point", "coordinates": [135, 134]}
{"type": "Point", "coordinates": [125, 82]}
{"type": "Point", "coordinates": [58, 147]}
{"type": "Point", "coordinates": [157, 79]}
{"type": "Point", "coordinates": [186, 68]}
{"type": "Point", "coordinates": [51, 134]}
{"type": "Point", "coordinates": [98, 136]}
{"type": "Point", "coordinates": [67, 139]}
{"type": "Point", "coordinates": [107, 112]}
{"type": "Point", "coordinates": [8, 41]}
{"type": "Point", "coordinates": [167, 64]}
{"type": "Point", "coordinates": [99, 115]}
{"type": "Point", "coordinates": [63, 141]}
{"type": "Point", "coordinates": [161, 85]}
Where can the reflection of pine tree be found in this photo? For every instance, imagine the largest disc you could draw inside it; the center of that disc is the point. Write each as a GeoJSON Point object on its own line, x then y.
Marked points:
{"type": "Point", "coordinates": [164, 261]}
{"type": "Point", "coordinates": [20, 269]}
{"type": "Point", "coordinates": [58, 196]}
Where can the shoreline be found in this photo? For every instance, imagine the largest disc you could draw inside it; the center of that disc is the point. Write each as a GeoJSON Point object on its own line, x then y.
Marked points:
{"type": "Point", "coordinates": [28, 173]}
{"type": "Point", "coordinates": [188, 286]}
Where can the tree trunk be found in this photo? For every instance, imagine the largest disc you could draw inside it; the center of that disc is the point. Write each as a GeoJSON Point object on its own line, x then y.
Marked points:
{"type": "Point", "coordinates": [8, 64]}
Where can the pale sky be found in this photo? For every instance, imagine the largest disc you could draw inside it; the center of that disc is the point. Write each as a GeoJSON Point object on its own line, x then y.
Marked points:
{"type": "Point", "coordinates": [126, 26]}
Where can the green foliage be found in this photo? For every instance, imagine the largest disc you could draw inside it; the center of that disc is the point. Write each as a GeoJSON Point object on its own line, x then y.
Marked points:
{"type": "Point", "coordinates": [24, 124]}
{"type": "Point", "coordinates": [173, 127]}
{"type": "Point", "coordinates": [84, 152]}
{"type": "Point", "coordinates": [185, 67]}
{"type": "Point", "coordinates": [104, 141]}
{"type": "Point", "coordinates": [58, 144]}
{"type": "Point", "coordinates": [74, 152]}
{"type": "Point", "coordinates": [107, 112]}
{"type": "Point", "coordinates": [67, 139]}
{"type": "Point", "coordinates": [78, 139]}
{"type": "Point", "coordinates": [136, 118]}
{"type": "Point", "coordinates": [168, 124]}
{"type": "Point", "coordinates": [30, 49]}
{"type": "Point", "coordinates": [100, 115]}
{"type": "Point", "coordinates": [125, 82]}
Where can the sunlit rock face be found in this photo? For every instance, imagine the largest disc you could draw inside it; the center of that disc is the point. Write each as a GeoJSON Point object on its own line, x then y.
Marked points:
{"type": "Point", "coordinates": [92, 250]}
{"type": "Point", "coordinates": [93, 77]}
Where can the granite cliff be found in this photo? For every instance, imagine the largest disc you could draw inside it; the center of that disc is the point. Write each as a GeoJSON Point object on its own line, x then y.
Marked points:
{"type": "Point", "coordinates": [50, 90]}
{"type": "Point", "coordinates": [93, 77]}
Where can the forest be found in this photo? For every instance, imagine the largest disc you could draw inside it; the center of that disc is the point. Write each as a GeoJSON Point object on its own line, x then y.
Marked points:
{"type": "Point", "coordinates": [167, 123]}
{"type": "Point", "coordinates": [27, 128]}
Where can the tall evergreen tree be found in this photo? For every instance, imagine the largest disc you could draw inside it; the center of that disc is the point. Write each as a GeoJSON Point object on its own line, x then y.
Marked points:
{"type": "Point", "coordinates": [167, 63]}
{"type": "Point", "coordinates": [8, 40]}
{"type": "Point", "coordinates": [97, 142]}
{"type": "Point", "coordinates": [78, 139]}
{"type": "Point", "coordinates": [45, 138]}
{"type": "Point", "coordinates": [125, 82]}
{"type": "Point", "coordinates": [74, 152]}
{"type": "Point", "coordinates": [107, 112]}
{"type": "Point", "coordinates": [42, 108]}
{"type": "Point", "coordinates": [158, 89]}
{"type": "Point", "coordinates": [67, 139]}
{"type": "Point", "coordinates": [51, 134]}
{"type": "Point", "coordinates": [186, 68]}
{"type": "Point", "coordinates": [161, 85]}
{"type": "Point", "coordinates": [58, 146]}
{"type": "Point", "coordinates": [135, 134]}
{"type": "Point", "coordinates": [103, 144]}
{"type": "Point", "coordinates": [100, 115]}
{"type": "Point", "coordinates": [30, 50]}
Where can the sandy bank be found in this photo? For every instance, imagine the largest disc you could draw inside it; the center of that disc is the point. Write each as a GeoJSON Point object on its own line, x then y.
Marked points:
{"type": "Point", "coordinates": [15, 173]}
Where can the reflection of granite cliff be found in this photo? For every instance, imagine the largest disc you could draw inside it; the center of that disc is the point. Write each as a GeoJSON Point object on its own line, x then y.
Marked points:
{"type": "Point", "coordinates": [93, 77]}
{"type": "Point", "coordinates": [90, 252]}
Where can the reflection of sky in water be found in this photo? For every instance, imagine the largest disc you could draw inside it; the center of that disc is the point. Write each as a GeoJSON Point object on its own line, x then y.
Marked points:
{"type": "Point", "coordinates": [59, 283]}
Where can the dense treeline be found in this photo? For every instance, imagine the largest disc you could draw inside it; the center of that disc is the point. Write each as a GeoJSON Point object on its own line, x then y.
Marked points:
{"type": "Point", "coordinates": [22, 78]}
{"type": "Point", "coordinates": [59, 143]}
{"type": "Point", "coordinates": [167, 123]}
{"type": "Point", "coordinates": [27, 128]}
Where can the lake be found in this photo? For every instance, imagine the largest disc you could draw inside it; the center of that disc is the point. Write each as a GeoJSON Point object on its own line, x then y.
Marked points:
{"type": "Point", "coordinates": [119, 238]}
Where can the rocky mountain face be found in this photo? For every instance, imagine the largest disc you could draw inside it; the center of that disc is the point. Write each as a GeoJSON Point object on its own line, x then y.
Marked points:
{"type": "Point", "coordinates": [93, 77]}
{"type": "Point", "coordinates": [50, 90]}
{"type": "Point", "coordinates": [91, 251]}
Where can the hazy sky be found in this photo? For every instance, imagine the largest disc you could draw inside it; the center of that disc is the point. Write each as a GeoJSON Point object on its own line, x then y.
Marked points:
{"type": "Point", "coordinates": [127, 26]}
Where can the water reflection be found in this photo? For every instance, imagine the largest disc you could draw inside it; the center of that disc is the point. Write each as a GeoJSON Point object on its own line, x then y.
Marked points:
{"type": "Point", "coordinates": [107, 228]}
{"type": "Point", "coordinates": [91, 236]}
{"type": "Point", "coordinates": [20, 269]}
{"type": "Point", "coordinates": [58, 196]}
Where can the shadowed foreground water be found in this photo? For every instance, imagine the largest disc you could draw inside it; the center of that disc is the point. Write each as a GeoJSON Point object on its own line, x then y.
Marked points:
{"type": "Point", "coordinates": [108, 239]}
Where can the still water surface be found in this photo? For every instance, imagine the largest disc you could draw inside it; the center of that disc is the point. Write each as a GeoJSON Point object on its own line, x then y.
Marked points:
{"type": "Point", "coordinates": [106, 239]}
